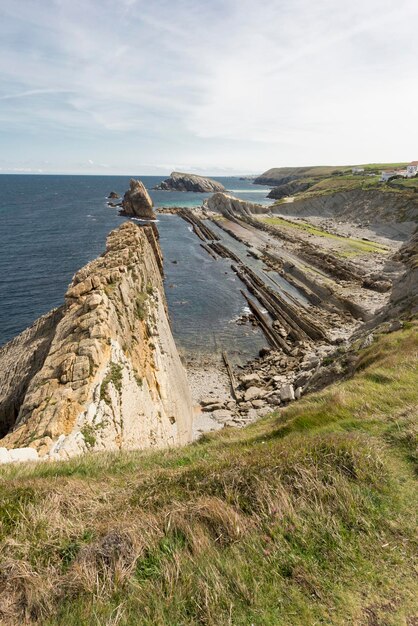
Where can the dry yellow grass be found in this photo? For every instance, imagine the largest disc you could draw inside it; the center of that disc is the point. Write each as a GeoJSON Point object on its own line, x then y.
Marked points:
{"type": "Point", "coordinates": [305, 517]}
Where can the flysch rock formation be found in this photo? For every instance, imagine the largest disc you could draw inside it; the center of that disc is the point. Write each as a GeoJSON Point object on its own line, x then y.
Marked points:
{"type": "Point", "coordinates": [367, 206]}
{"type": "Point", "coordinates": [110, 377]}
{"type": "Point", "coordinates": [230, 206]}
{"type": "Point", "coordinates": [404, 295]}
{"type": "Point", "coordinates": [20, 359]}
{"type": "Point", "coordinates": [179, 181]}
{"type": "Point", "coordinates": [137, 201]}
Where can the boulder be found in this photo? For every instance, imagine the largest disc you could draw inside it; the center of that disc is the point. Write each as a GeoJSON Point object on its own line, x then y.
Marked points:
{"type": "Point", "coordinates": [212, 407]}
{"type": "Point", "coordinates": [287, 393]}
{"type": "Point", "coordinates": [179, 181]}
{"type": "Point", "coordinates": [252, 393]}
{"type": "Point", "coordinates": [207, 401]}
{"type": "Point", "coordinates": [113, 195]}
{"type": "Point", "coordinates": [249, 380]}
{"type": "Point", "coordinates": [137, 202]}
{"type": "Point", "coordinates": [222, 415]}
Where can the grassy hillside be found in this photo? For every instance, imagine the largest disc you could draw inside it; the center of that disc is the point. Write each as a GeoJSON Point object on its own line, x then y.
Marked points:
{"type": "Point", "coordinates": [348, 182]}
{"type": "Point", "coordinates": [306, 517]}
{"type": "Point", "coordinates": [320, 171]}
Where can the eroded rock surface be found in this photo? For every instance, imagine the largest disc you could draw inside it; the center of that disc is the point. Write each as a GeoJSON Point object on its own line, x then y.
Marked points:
{"type": "Point", "coordinates": [20, 359]}
{"type": "Point", "coordinates": [230, 206]}
{"type": "Point", "coordinates": [137, 201]}
{"type": "Point", "coordinates": [111, 377]}
{"type": "Point", "coordinates": [179, 181]}
{"type": "Point", "coordinates": [371, 207]}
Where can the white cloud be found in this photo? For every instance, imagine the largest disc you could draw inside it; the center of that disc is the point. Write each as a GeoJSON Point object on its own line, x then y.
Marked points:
{"type": "Point", "coordinates": [228, 84]}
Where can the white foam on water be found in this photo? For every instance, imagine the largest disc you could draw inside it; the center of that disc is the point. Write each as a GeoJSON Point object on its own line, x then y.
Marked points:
{"type": "Point", "coordinates": [144, 221]}
{"type": "Point", "coordinates": [249, 190]}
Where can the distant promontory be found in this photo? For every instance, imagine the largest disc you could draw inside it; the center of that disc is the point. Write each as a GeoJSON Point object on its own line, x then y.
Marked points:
{"type": "Point", "coordinates": [179, 181]}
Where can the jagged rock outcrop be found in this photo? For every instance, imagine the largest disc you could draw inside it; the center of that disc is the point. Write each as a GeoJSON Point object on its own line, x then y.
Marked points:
{"type": "Point", "coordinates": [137, 201]}
{"type": "Point", "coordinates": [113, 195]}
{"type": "Point", "coordinates": [111, 377]}
{"type": "Point", "coordinates": [288, 189]}
{"type": "Point", "coordinates": [20, 359]}
{"type": "Point", "coordinates": [232, 207]}
{"type": "Point", "coordinates": [178, 181]}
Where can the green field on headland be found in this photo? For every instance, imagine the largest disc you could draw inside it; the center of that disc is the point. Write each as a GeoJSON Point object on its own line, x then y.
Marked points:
{"type": "Point", "coordinates": [305, 517]}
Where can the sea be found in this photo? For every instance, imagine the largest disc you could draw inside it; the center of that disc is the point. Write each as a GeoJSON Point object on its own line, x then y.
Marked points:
{"type": "Point", "coordinates": [50, 226]}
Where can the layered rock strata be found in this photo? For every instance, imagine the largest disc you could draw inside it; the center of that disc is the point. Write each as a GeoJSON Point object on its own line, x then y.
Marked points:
{"type": "Point", "coordinates": [231, 207]}
{"type": "Point", "coordinates": [137, 202]}
{"type": "Point", "coordinates": [111, 377]}
{"type": "Point", "coordinates": [404, 297]}
{"type": "Point", "coordinates": [179, 181]}
{"type": "Point", "coordinates": [20, 359]}
{"type": "Point", "coordinates": [366, 206]}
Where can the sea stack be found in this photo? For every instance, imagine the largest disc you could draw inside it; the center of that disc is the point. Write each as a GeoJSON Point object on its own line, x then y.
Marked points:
{"type": "Point", "coordinates": [102, 372]}
{"type": "Point", "coordinates": [178, 181]}
{"type": "Point", "coordinates": [137, 202]}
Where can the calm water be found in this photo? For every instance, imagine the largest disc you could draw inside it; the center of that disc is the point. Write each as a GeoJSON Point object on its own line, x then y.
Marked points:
{"type": "Point", "coordinates": [50, 226]}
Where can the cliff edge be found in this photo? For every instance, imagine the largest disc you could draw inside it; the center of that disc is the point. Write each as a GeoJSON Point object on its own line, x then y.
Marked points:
{"type": "Point", "coordinates": [108, 376]}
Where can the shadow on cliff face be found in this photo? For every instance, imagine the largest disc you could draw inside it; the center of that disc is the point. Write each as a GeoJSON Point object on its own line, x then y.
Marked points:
{"type": "Point", "coordinates": [21, 359]}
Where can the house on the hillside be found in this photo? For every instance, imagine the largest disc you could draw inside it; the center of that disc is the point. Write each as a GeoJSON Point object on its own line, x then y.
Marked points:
{"type": "Point", "coordinates": [357, 170]}
{"type": "Point", "coordinates": [387, 174]}
{"type": "Point", "coordinates": [412, 169]}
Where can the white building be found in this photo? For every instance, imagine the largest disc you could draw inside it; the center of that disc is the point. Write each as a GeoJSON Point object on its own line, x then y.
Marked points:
{"type": "Point", "coordinates": [386, 174]}
{"type": "Point", "coordinates": [412, 169]}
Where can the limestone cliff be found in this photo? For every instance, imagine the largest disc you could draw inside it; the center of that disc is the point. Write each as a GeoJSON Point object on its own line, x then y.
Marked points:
{"type": "Point", "coordinates": [179, 181]}
{"type": "Point", "coordinates": [111, 377]}
{"type": "Point", "coordinates": [20, 359]}
{"type": "Point", "coordinates": [231, 207]}
{"type": "Point", "coordinates": [137, 201]}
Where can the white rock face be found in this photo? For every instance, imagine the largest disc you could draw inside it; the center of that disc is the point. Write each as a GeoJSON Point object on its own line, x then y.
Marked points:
{"type": "Point", "coordinates": [287, 393]}
{"type": "Point", "coordinates": [18, 455]}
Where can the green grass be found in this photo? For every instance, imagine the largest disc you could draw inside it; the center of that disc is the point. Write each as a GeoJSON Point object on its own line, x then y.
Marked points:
{"type": "Point", "coordinates": [353, 246]}
{"type": "Point", "coordinates": [114, 376]}
{"type": "Point", "coordinates": [305, 517]}
{"type": "Point", "coordinates": [345, 181]}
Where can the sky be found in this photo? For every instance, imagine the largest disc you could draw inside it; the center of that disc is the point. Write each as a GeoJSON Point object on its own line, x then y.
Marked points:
{"type": "Point", "coordinates": [217, 86]}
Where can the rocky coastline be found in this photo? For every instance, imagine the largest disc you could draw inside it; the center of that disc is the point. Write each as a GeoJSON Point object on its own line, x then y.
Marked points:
{"type": "Point", "coordinates": [103, 372]}
{"type": "Point", "coordinates": [179, 181]}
